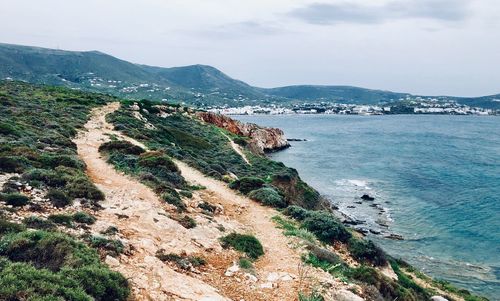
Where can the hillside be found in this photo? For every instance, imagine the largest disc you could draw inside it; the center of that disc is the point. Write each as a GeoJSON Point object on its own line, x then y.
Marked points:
{"type": "Point", "coordinates": [110, 199]}
{"type": "Point", "coordinates": [197, 85]}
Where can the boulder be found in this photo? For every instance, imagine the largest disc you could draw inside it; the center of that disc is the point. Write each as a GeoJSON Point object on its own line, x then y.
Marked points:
{"type": "Point", "coordinates": [345, 295]}
{"type": "Point", "coordinates": [438, 298]}
{"type": "Point", "coordinates": [367, 197]}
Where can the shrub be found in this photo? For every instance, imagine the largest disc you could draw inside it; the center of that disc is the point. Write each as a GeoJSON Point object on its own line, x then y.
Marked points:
{"type": "Point", "coordinates": [49, 250]}
{"type": "Point", "coordinates": [296, 212]}
{"type": "Point", "coordinates": [247, 244]}
{"type": "Point", "coordinates": [8, 129]}
{"type": "Point", "coordinates": [244, 263]}
{"type": "Point", "coordinates": [37, 284]}
{"type": "Point", "coordinates": [207, 207]}
{"type": "Point", "coordinates": [187, 222]}
{"type": "Point", "coordinates": [9, 227]}
{"type": "Point", "coordinates": [326, 227]}
{"type": "Point", "coordinates": [268, 196]}
{"type": "Point", "coordinates": [112, 247]}
{"type": "Point", "coordinates": [84, 218]}
{"type": "Point", "coordinates": [247, 184]}
{"type": "Point", "coordinates": [49, 177]}
{"type": "Point", "coordinates": [121, 146]}
{"type": "Point", "coordinates": [101, 283]}
{"type": "Point", "coordinates": [157, 159]}
{"type": "Point", "coordinates": [366, 251]}
{"type": "Point", "coordinates": [182, 261]}
{"type": "Point", "coordinates": [186, 193]}
{"type": "Point", "coordinates": [15, 199]}
{"type": "Point", "coordinates": [240, 140]}
{"type": "Point", "coordinates": [174, 199]}
{"type": "Point", "coordinates": [52, 161]}
{"type": "Point", "coordinates": [10, 164]}
{"type": "Point", "coordinates": [62, 219]}
{"type": "Point", "coordinates": [81, 187]}
{"type": "Point", "coordinates": [58, 198]}
{"type": "Point", "coordinates": [35, 222]}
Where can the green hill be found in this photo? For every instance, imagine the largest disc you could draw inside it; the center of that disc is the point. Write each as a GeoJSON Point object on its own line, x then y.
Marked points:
{"type": "Point", "coordinates": [197, 85]}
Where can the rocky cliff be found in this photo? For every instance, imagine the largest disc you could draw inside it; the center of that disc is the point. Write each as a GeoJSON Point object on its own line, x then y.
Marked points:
{"type": "Point", "coordinates": [262, 139]}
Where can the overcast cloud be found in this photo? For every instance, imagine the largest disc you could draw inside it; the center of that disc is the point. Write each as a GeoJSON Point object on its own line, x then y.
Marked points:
{"type": "Point", "coordinates": [419, 46]}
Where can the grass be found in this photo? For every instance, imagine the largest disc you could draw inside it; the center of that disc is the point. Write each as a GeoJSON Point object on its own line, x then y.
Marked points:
{"type": "Point", "coordinates": [245, 243]}
{"type": "Point", "coordinates": [291, 228]}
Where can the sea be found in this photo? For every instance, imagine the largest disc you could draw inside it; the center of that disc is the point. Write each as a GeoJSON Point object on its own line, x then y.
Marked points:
{"type": "Point", "coordinates": [435, 180]}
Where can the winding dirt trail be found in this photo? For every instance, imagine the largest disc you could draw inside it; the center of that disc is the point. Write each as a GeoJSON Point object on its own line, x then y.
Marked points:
{"type": "Point", "coordinates": [143, 222]}
{"type": "Point", "coordinates": [141, 219]}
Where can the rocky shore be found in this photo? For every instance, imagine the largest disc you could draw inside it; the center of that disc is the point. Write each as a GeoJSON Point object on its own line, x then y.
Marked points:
{"type": "Point", "coordinates": [261, 139]}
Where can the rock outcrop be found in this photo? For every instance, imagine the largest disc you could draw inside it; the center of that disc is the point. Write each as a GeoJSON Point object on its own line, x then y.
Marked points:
{"type": "Point", "coordinates": [262, 139]}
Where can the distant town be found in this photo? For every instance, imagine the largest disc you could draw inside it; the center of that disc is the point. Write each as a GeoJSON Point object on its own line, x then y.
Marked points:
{"type": "Point", "coordinates": [409, 105]}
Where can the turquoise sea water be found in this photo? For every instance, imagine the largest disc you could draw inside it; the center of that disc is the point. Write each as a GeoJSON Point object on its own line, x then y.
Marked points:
{"type": "Point", "coordinates": [436, 178]}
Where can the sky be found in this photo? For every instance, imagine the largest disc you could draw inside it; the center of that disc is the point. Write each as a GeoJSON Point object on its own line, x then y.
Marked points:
{"type": "Point", "coordinates": [426, 47]}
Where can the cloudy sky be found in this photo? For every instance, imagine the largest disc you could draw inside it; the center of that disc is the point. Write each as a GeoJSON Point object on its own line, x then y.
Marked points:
{"type": "Point", "coordinates": [419, 46]}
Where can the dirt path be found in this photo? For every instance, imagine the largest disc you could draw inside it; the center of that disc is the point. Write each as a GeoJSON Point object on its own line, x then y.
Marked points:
{"type": "Point", "coordinates": [237, 149]}
{"type": "Point", "coordinates": [136, 211]}
{"type": "Point", "coordinates": [143, 221]}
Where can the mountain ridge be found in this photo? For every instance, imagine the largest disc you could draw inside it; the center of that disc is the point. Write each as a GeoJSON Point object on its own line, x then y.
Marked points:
{"type": "Point", "coordinates": [199, 85]}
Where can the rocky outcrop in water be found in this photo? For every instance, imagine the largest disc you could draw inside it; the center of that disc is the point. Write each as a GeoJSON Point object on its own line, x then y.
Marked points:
{"type": "Point", "coordinates": [262, 139]}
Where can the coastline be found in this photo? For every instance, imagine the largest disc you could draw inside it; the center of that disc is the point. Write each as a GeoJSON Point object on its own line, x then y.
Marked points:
{"type": "Point", "coordinates": [482, 275]}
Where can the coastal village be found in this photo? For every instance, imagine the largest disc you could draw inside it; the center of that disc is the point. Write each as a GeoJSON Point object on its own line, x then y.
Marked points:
{"type": "Point", "coordinates": [416, 105]}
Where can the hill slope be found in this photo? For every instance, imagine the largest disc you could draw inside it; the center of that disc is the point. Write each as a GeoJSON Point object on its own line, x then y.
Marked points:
{"type": "Point", "coordinates": [198, 85]}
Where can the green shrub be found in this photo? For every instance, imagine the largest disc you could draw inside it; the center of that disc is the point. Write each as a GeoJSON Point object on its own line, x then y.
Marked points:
{"type": "Point", "coordinates": [58, 198]}
{"type": "Point", "coordinates": [207, 207]}
{"type": "Point", "coordinates": [247, 184]}
{"type": "Point", "coordinates": [8, 129]}
{"type": "Point", "coordinates": [101, 283]}
{"type": "Point", "coordinates": [81, 187]}
{"type": "Point", "coordinates": [174, 199]}
{"type": "Point", "coordinates": [121, 146]}
{"type": "Point", "coordinates": [186, 193]}
{"type": "Point", "coordinates": [15, 199]}
{"type": "Point", "coordinates": [187, 222]}
{"type": "Point", "coordinates": [52, 161]}
{"type": "Point", "coordinates": [62, 219]}
{"type": "Point", "coordinates": [9, 227]}
{"type": "Point", "coordinates": [157, 159]}
{"type": "Point", "coordinates": [240, 140]}
{"type": "Point", "coordinates": [22, 279]}
{"type": "Point", "coordinates": [245, 243]}
{"type": "Point", "coordinates": [51, 178]}
{"type": "Point", "coordinates": [112, 247]}
{"type": "Point", "coordinates": [10, 164]}
{"type": "Point", "coordinates": [366, 251]}
{"type": "Point", "coordinates": [326, 227]}
{"type": "Point", "coordinates": [49, 250]}
{"type": "Point", "coordinates": [84, 218]}
{"type": "Point", "coordinates": [268, 196]}
{"type": "Point", "coordinates": [182, 261]}
{"type": "Point", "coordinates": [296, 212]}
{"type": "Point", "coordinates": [244, 263]}
{"type": "Point", "coordinates": [35, 222]}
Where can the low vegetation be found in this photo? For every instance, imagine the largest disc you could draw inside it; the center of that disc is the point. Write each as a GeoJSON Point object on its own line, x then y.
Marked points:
{"type": "Point", "coordinates": [52, 266]}
{"type": "Point", "coordinates": [245, 243]}
{"type": "Point", "coordinates": [206, 148]}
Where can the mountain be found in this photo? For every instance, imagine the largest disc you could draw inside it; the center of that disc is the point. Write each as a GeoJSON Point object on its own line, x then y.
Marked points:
{"type": "Point", "coordinates": [198, 85]}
